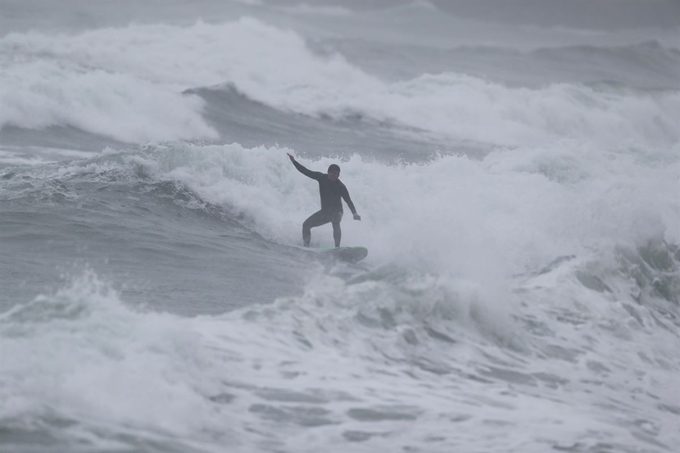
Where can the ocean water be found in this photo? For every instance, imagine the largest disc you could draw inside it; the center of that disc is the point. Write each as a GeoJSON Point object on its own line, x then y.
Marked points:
{"type": "Point", "coordinates": [519, 186]}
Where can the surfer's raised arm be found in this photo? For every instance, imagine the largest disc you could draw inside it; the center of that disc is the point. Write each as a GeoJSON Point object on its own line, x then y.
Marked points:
{"type": "Point", "coordinates": [305, 171]}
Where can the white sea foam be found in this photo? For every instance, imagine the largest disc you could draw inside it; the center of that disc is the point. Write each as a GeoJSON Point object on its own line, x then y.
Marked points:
{"type": "Point", "coordinates": [127, 83]}
{"type": "Point", "coordinates": [387, 361]}
{"type": "Point", "coordinates": [483, 220]}
{"type": "Point", "coordinates": [514, 209]}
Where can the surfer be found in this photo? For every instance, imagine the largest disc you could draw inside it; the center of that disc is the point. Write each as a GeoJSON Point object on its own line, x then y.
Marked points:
{"type": "Point", "coordinates": [331, 190]}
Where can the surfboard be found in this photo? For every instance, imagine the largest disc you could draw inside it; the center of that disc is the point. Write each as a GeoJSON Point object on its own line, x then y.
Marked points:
{"type": "Point", "coordinates": [351, 254]}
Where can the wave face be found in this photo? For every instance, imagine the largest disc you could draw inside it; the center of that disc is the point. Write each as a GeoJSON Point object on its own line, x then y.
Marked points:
{"type": "Point", "coordinates": [518, 192]}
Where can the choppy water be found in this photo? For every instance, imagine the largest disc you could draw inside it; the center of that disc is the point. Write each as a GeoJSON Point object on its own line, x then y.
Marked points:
{"type": "Point", "coordinates": [518, 187]}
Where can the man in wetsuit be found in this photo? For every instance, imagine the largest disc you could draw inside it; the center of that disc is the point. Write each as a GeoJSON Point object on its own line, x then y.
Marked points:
{"type": "Point", "coordinates": [331, 189]}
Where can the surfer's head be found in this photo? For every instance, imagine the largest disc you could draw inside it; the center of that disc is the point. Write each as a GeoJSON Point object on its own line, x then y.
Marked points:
{"type": "Point", "coordinates": [333, 172]}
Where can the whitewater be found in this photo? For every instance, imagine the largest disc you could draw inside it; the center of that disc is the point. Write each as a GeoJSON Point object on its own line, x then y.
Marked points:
{"type": "Point", "coordinates": [519, 192]}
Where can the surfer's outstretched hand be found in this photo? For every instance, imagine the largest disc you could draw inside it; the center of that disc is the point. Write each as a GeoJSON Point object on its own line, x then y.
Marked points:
{"type": "Point", "coordinates": [290, 156]}
{"type": "Point", "coordinates": [357, 217]}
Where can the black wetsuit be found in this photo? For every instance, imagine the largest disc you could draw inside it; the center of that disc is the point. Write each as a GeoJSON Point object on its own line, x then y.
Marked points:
{"type": "Point", "coordinates": [331, 193]}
